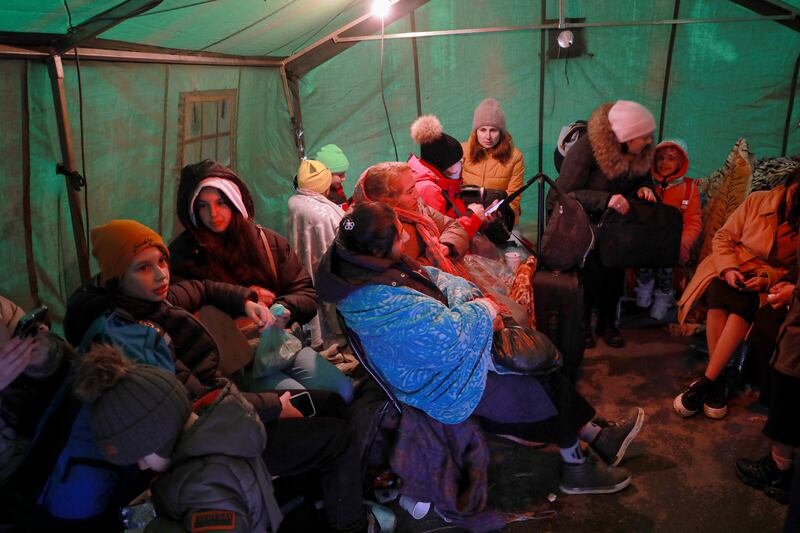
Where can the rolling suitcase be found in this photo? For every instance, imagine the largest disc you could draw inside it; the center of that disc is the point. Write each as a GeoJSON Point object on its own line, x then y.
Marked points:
{"type": "Point", "coordinates": [558, 305]}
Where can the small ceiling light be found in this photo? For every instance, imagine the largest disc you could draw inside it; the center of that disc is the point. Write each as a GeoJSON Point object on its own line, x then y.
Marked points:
{"type": "Point", "coordinates": [380, 8]}
{"type": "Point", "coordinates": [565, 39]}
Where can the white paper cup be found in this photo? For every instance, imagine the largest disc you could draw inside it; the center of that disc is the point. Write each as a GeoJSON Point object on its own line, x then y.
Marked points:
{"type": "Point", "coordinates": [418, 510]}
{"type": "Point", "coordinates": [513, 261]}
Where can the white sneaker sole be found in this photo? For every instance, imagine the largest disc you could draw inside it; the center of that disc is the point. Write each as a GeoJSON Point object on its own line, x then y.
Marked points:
{"type": "Point", "coordinates": [717, 413]}
{"type": "Point", "coordinates": [611, 489]}
{"type": "Point", "coordinates": [677, 404]}
{"type": "Point", "coordinates": [637, 427]}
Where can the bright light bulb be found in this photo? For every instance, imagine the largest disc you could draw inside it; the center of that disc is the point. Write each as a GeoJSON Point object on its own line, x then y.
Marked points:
{"type": "Point", "coordinates": [380, 8]}
{"type": "Point", "coordinates": [565, 39]}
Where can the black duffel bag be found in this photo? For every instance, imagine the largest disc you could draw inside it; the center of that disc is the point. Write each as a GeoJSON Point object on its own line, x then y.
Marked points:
{"type": "Point", "coordinates": [499, 230]}
{"type": "Point", "coordinates": [524, 350]}
{"type": "Point", "coordinates": [647, 236]}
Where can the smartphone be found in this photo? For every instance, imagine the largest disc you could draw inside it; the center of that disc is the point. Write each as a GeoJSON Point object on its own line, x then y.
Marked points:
{"type": "Point", "coordinates": [302, 402]}
{"type": "Point", "coordinates": [495, 207]}
{"type": "Point", "coordinates": [29, 324]}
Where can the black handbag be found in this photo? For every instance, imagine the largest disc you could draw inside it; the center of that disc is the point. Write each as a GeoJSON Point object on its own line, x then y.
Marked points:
{"type": "Point", "coordinates": [647, 236]}
{"type": "Point", "coordinates": [524, 350]}
{"type": "Point", "coordinates": [568, 236]}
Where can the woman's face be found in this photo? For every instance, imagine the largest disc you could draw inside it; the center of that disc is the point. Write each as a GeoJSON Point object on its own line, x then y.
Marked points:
{"type": "Point", "coordinates": [214, 212]}
{"type": "Point", "coordinates": [337, 178]}
{"type": "Point", "coordinates": [147, 277]}
{"type": "Point", "coordinates": [668, 161]}
{"type": "Point", "coordinates": [400, 240]}
{"type": "Point", "coordinates": [637, 145]}
{"type": "Point", "coordinates": [409, 197]}
{"type": "Point", "coordinates": [488, 136]}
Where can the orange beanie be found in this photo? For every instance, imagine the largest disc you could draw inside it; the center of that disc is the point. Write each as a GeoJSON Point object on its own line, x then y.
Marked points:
{"type": "Point", "coordinates": [115, 244]}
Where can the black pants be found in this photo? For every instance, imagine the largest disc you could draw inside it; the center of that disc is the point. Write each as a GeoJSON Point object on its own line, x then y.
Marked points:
{"type": "Point", "coordinates": [323, 445]}
{"type": "Point", "coordinates": [602, 289]}
{"type": "Point", "coordinates": [562, 429]}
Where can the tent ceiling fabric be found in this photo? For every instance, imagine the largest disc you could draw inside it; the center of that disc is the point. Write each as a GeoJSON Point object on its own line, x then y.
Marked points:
{"type": "Point", "coordinates": [238, 27]}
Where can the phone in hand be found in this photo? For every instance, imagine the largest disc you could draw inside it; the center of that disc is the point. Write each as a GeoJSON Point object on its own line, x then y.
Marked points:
{"type": "Point", "coordinates": [29, 324]}
{"type": "Point", "coordinates": [303, 403]}
{"type": "Point", "coordinates": [494, 207]}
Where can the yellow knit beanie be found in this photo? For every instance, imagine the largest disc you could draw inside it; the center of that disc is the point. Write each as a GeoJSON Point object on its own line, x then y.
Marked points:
{"type": "Point", "coordinates": [314, 176]}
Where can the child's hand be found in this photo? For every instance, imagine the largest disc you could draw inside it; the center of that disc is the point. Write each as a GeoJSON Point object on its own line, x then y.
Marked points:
{"type": "Point", "coordinates": [15, 356]}
{"type": "Point", "coordinates": [646, 193]}
{"type": "Point", "coordinates": [259, 314]}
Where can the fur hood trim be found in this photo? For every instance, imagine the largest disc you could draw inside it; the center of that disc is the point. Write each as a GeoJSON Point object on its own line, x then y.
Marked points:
{"type": "Point", "coordinates": [608, 151]}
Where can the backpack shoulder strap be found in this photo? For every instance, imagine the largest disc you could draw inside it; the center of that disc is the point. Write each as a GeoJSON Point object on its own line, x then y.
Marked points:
{"type": "Point", "coordinates": [688, 191]}
{"type": "Point", "coordinates": [448, 203]}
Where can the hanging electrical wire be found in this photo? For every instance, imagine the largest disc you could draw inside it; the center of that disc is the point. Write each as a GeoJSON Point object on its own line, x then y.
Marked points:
{"type": "Point", "coordinates": [80, 127]}
{"type": "Point", "coordinates": [383, 95]}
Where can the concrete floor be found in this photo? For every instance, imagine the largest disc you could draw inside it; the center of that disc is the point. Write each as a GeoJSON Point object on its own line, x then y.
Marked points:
{"type": "Point", "coordinates": [683, 473]}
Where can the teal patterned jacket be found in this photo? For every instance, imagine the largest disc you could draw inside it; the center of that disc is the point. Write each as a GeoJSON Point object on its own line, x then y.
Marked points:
{"type": "Point", "coordinates": [434, 357]}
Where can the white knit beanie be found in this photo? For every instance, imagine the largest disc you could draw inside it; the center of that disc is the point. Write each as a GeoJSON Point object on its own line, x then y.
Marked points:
{"type": "Point", "coordinates": [630, 120]}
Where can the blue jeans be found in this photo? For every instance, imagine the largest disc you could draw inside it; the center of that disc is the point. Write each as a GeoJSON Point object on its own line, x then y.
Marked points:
{"type": "Point", "coordinates": [309, 370]}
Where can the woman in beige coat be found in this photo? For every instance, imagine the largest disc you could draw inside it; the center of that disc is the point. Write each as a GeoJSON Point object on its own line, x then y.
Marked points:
{"type": "Point", "coordinates": [491, 160]}
{"type": "Point", "coordinates": [751, 252]}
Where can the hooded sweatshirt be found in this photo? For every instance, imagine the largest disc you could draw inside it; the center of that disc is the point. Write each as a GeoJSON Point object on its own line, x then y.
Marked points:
{"type": "Point", "coordinates": [682, 193]}
{"type": "Point", "coordinates": [217, 476]}
{"type": "Point", "coordinates": [431, 183]}
{"type": "Point", "coordinates": [289, 281]}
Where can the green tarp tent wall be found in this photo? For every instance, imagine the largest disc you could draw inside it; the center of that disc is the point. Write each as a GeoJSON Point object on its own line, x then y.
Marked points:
{"type": "Point", "coordinates": [255, 83]}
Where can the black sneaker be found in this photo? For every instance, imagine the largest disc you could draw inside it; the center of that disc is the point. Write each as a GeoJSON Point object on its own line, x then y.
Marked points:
{"type": "Point", "coordinates": [613, 441]}
{"type": "Point", "coordinates": [691, 400]}
{"type": "Point", "coordinates": [716, 405]}
{"type": "Point", "coordinates": [765, 475]}
{"type": "Point", "coordinates": [613, 338]}
{"type": "Point", "coordinates": [593, 477]}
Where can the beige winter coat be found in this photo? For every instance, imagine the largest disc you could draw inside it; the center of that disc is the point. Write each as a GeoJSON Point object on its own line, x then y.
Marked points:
{"type": "Point", "coordinates": [492, 174]}
{"type": "Point", "coordinates": [745, 242]}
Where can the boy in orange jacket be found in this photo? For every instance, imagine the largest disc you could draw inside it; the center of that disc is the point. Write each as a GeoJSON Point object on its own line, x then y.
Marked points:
{"type": "Point", "coordinates": [654, 285]}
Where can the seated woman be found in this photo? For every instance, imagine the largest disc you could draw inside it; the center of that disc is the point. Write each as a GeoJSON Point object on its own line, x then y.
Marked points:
{"type": "Point", "coordinates": [31, 371]}
{"type": "Point", "coordinates": [438, 173]}
{"type": "Point", "coordinates": [429, 334]}
{"type": "Point", "coordinates": [134, 283]}
{"type": "Point", "coordinates": [491, 160]}
{"type": "Point", "coordinates": [222, 243]}
{"type": "Point", "coordinates": [751, 252]}
{"type": "Point", "coordinates": [433, 238]}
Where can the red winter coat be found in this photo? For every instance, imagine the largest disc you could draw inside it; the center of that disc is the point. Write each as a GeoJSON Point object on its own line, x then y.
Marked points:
{"type": "Point", "coordinates": [431, 182]}
{"type": "Point", "coordinates": [675, 190]}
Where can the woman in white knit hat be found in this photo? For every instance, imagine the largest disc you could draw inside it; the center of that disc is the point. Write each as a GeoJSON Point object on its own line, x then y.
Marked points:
{"type": "Point", "coordinates": [491, 160]}
{"type": "Point", "coordinates": [602, 170]}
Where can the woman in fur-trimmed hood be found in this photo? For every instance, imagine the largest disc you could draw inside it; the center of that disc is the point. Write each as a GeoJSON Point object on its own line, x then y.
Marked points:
{"type": "Point", "coordinates": [603, 170]}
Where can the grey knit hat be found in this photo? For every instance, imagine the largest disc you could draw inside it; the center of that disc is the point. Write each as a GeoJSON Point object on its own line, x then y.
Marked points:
{"type": "Point", "coordinates": [489, 113]}
{"type": "Point", "coordinates": [136, 410]}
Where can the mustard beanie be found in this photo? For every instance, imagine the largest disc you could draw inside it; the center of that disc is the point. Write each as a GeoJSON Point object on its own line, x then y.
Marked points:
{"type": "Point", "coordinates": [332, 157]}
{"type": "Point", "coordinates": [314, 176]}
{"type": "Point", "coordinates": [115, 244]}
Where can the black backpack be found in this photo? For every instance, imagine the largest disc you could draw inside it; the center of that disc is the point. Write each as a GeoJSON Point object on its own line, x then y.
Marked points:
{"type": "Point", "coordinates": [568, 237]}
{"type": "Point", "coordinates": [568, 136]}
